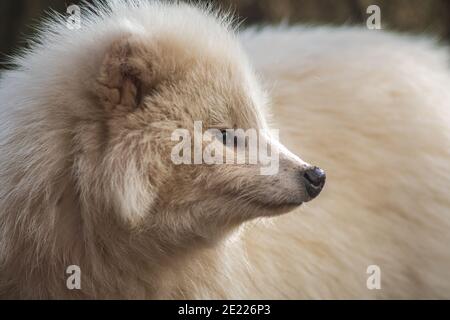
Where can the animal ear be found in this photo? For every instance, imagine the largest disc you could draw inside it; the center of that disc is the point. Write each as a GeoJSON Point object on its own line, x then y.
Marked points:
{"type": "Point", "coordinates": [122, 75]}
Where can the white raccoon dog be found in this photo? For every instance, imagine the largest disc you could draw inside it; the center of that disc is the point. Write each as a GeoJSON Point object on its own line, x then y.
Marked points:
{"type": "Point", "coordinates": [86, 177]}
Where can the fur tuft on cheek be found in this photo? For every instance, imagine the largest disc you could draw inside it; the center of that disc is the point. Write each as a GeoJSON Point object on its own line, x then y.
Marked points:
{"type": "Point", "coordinates": [132, 196]}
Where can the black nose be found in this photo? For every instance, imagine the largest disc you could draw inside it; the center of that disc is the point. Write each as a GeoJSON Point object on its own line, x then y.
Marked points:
{"type": "Point", "coordinates": [314, 179]}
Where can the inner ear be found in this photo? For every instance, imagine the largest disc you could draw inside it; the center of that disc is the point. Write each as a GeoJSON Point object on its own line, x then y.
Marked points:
{"type": "Point", "coordinates": [119, 83]}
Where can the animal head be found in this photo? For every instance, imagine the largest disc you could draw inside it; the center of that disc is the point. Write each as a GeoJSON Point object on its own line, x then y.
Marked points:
{"type": "Point", "coordinates": [139, 79]}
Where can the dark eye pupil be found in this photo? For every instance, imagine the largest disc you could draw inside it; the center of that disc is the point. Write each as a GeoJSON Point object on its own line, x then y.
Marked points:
{"type": "Point", "coordinates": [226, 136]}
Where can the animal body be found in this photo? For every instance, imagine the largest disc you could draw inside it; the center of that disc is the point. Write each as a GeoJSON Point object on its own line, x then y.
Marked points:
{"type": "Point", "coordinates": [86, 176]}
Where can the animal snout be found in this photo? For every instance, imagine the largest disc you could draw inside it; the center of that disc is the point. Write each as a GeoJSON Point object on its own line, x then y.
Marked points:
{"type": "Point", "coordinates": [314, 180]}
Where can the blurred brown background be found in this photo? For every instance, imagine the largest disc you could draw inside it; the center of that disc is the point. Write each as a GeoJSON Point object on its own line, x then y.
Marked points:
{"type": "Point", "coordinates": [418, 16]}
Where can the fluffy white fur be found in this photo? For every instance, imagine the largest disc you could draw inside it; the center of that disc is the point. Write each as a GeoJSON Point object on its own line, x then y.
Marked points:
{"type": "Point", "coordinates": [370, 107]}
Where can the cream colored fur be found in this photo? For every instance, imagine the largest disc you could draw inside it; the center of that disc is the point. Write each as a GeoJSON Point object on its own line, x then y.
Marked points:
{"type": "Point", "coordinates": [86, 179]}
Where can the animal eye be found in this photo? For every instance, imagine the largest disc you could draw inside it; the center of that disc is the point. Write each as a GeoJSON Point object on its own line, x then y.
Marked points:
{"type": "Point", "coordinates": [224, 136]}
{"type": "Point", "coordinates": [228, 138]}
